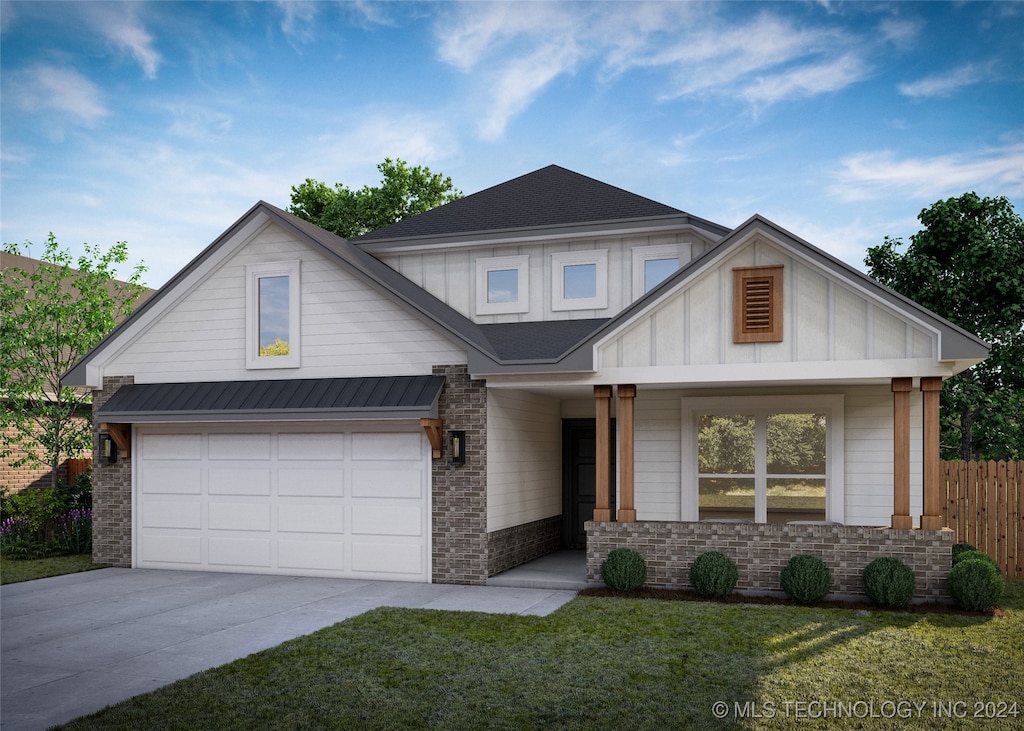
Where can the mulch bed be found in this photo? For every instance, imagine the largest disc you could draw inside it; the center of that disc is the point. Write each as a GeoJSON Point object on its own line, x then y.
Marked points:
{"type": "Point", "coordinates": [686, 595]}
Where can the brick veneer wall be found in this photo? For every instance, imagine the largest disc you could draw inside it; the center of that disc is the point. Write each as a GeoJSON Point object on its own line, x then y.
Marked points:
{"type": "Point", "coordinates": [459, 492]}
{"type": "Point", "coordinates": [513, 546]}
{"type": "Point", "coordinates": [17, 479]}
{"type": "Point", "coordinates": [111, 492]}
{"type": "Point", "coordinates": [762, 550]}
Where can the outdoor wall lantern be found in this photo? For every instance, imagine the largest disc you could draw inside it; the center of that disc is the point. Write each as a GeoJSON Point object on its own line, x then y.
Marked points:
{"type": "Point", "coordinates": [108, 447]}
{"type": "Point", "coordinates": [458, 439]}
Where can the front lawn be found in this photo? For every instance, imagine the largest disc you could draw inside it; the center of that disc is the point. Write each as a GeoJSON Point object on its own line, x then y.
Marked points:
{"type": "Point", "coordinates": [15, 570]}
{"type": "Point", "coordinates": [612, 663]}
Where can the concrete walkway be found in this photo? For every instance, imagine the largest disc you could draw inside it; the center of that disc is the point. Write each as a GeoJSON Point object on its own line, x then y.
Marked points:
{"type": "Point", "coordinates": [71, 645]}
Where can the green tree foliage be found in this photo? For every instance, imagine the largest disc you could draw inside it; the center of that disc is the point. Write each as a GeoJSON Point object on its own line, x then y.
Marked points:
{"type": "Point", "coordinates": [967, 264]}
{"type": "Point", "coordinates": [795, 444]}
{"type": "Point", "coordinates": [404, 191]}
{"type": "Point", "coordinates": [49, 317]}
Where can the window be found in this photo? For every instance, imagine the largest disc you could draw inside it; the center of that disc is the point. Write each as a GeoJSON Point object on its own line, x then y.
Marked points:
{"type": "Point", "coordinates": [503, 285]}
{"type": "Point", "coordinates": [757, 304]}
{"type": "Point", "coordinates": [579, 280]}
{"type": "Point", "coordinates": [764, 459]}
{"type": "Point", "coordinates": [652, 265]}
{"type": "Point", "coordinates": [272, 315]}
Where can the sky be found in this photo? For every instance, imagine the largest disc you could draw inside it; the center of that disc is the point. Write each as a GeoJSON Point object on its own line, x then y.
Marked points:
{"type": "Point", "coordinates": [162, 123]}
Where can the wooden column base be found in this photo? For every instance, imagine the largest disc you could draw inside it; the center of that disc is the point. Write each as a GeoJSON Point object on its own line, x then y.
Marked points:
{"type": "Point", "coordinates": [902, 522]}
{"type": "Point", "coordinates": [932, 522]}
{"type": "Point", "coordinates": [627, 516]}
{"type": "Point", "coordinates": [603, 516]}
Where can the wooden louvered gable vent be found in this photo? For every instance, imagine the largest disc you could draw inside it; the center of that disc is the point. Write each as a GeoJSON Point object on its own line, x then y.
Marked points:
{"type": "Point", "coordinates": [757, 304]}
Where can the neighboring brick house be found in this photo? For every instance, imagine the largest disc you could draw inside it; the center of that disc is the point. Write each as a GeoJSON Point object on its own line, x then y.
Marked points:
{"type": "Point", "coordinates": [14, 478]}
{"type": "Point", "coordinates": [550, 362]}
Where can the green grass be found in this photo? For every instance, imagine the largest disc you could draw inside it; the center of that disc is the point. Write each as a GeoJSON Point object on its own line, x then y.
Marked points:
{"type": "Point", "coordinates": [606, 663]}
{"type": "Point", "coordinates": [14, 570]}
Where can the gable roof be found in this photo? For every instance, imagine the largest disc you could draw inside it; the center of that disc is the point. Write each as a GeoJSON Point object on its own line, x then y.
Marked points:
{"type": "Point", "coordinates": [551, 197]}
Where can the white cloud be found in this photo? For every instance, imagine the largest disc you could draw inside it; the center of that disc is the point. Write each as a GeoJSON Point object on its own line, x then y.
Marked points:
{"type": "Point", "coordinates": [298, 19]}
{"type": "Point", "coordinates": [875, 175]}
{"type": "Point", "coordinates": [44, 88]}
{"type": "Point", "coordinates": [198, 123]}
{"type": "Point", "coordinates": [807, 80]}
{"type": "Point", "coordinates": [944, 84]}
{"type": "Point", "coordinates": [120, 24]}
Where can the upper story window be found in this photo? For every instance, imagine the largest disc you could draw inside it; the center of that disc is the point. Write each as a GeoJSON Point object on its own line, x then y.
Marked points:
{"type": "Point", "coordinates": [273, 315]}
{"type": "Point", "coordinates": [652, 265]}
{"type": "Point", "coordinates": [502, 285]}
{"type": "Point", "coordinates": [579, 280]}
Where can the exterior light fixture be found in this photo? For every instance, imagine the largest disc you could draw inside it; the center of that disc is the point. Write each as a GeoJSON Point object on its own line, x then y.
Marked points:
{"type": "Point", "coordinates": [458, 444]}
{"type": "Point", "coordinates": [108, 447]}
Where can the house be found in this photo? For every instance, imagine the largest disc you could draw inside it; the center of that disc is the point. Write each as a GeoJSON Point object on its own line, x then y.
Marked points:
{"type": "Point", "coordinates": [547, 363]}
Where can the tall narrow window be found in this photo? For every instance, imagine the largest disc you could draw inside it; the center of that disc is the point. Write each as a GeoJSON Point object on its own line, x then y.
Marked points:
{"type": "Point", "coordinates": [757, 304]}
{"type": "Point", "coordinates": [272, 315]}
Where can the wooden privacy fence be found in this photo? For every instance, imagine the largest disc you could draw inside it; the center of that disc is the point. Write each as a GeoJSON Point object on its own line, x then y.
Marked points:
{"type": "Point", "coordinates": [985, 506]}
{"type": "Point", "coordinates": [76, 467]}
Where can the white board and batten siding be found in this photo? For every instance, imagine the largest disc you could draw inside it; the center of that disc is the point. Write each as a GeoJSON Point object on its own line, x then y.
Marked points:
{"type": "Point", "coordinates": [347, 502]}
{"type": "Point", "coordinates": [524, 458]}
{"type": "Point", "coordinates": [348, 328]}
{"type": "Point", "coordinates": [824, 321]}
{"type": "Point", "coordinates": [445, 273]}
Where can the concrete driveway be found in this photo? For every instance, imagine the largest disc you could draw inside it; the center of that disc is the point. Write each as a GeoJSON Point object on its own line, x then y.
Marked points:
{"type": "Point", "coordinates": [74, 644]}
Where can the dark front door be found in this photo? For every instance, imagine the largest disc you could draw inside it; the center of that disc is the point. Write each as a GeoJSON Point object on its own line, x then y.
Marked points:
{"type": "Point", "coordinates": [579, 469]}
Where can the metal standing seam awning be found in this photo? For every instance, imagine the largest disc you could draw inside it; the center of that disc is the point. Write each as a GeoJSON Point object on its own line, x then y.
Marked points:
{"type": "Point", "coordinates": [384, 397]}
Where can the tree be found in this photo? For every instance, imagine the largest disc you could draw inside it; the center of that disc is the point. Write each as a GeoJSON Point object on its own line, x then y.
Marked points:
{"type": "Point", "coordinates": [404, 191]}
{"type": "Point", "coordinates": [50, 316]}
{"type": "Point", "coordinates": [967, 264]}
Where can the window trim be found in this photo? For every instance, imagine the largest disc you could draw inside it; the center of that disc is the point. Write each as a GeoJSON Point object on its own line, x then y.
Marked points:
{"type": "Point", "coordinates": [521, 304]}
{"type": "Point", "coordinates": [745, 307]}
{"type": "Point", "coordinates": [643, 254]}
{"type": "Point", "coordinates": [832, 405]}
{"type": "Point", "coordinates": [253, 274]}
{"type": "Point", "coordinates": [562, 259]}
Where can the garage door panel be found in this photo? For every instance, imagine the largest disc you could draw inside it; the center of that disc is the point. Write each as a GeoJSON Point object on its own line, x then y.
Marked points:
{"type": "Point", "coordinates": [311, 518]}
{"type": "Point", "coordinates": [311, 482]}
{"type": "Point", "coordinates": [160, 480]}
{"type": "Point", "coordinates": [386, 482]}
{"type": "Point", "coordinates": [300, 500]}
{"type": "Point", "coordinates": [310, 447]}
{"type": "Point", "coordinates": [171, 446]}
{"type": "Point", "coordinates": [316, 555]}
{"type": "Point", "coordinates": [251, 552]}
{"type": "Point", "coordinates": [172, 549]}
{"type": "Point", "coordinates": [387, 520]}
{"type": "Point", "coordinates": [387, 558]}
{"type": "Point", "coordinates": [167, 514]}
{"type": "Point", "coordinates": [388, 447]}
{"type": "Point", "coordinates": [240, 516]}
{"type": "Point", "coordinates": [239, 481]}
{"type": "Point", "coordinates": [240, 446]}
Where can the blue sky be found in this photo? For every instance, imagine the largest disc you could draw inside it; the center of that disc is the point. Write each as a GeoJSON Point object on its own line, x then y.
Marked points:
{"type": "Point", "coordinates": [162, 123]}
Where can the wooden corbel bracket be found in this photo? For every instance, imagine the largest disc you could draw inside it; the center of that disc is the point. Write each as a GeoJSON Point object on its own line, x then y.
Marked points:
{"type": "Point", "coordinates": [122, 436]}
{"type": "Point", "coordinates": [433, 429]}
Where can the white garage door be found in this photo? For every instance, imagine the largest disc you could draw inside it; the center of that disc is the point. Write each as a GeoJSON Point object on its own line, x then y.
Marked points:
{"type": "Point", "coordinates": [350, 503]}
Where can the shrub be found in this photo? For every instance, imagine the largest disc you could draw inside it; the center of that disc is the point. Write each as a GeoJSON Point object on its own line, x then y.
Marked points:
{"type": "Point", "coordinates": [18, 539]}
{"type": "Point", "coordinates": [72, 532]}
{"type": "Point", "coordinates": [624, 570]}
{"type": "Point", "coordinates": [975, 556]}
{"type": "Point", "coordinates": [806, 579]}
{"type": "Point", "coordinates": [976, 585]}
{"type": "Point", "coordinates": [961, 548]}
{"type": "Point", "coordinates": [889, 583]}
{"type": "Point", "coordinates": [713, 574]}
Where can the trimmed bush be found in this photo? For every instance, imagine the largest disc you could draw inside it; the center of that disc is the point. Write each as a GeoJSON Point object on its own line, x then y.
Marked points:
{"type": "Point", "coordinates": [624, 570]}
{"type": "Point", "coordinates": [959, 548]}
{"type": "Point", "coordinates": [976, 585]}
{"type": "Point", "coordinates": [975, 556]}
{"type": "Point", "coordinates": [713, 574]}
{"type": "Point", "coordinates": [806, 579]}
{"type": "Point", "coordinates": [889, 583]}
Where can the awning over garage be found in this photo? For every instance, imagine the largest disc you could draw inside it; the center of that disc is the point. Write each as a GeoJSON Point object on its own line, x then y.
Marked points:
{"type": "Point", "coordinates": [386, 397]}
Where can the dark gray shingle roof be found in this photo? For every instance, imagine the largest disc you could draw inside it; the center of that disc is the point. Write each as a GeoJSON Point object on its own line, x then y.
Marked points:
{"type": "Point", "coordinates": [551, 196]}
{"type": "Point", "coordinates": [312, 398]}
{"type": "Point", "coordinates": [526, 341]}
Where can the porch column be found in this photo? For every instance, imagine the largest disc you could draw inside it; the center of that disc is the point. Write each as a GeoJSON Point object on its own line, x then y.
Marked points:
{"type": "Point", "coordinates": [603, 424]}
{"type": "Point", "coordinates": [626, 511]}
{"type": "Point", "coordinates": [932, 517]}
{"type": "Point", "coordinates": [901, 388]}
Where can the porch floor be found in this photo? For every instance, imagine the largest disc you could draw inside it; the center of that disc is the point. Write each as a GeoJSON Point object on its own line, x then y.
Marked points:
{"type": "Point", "coordinates": [558, 570]}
